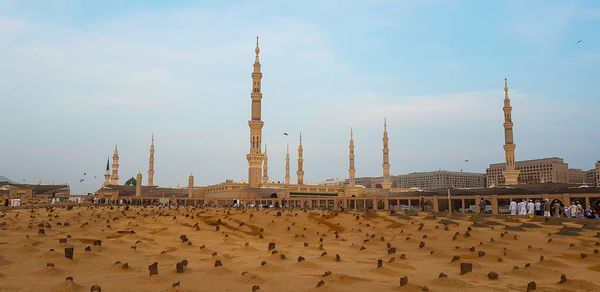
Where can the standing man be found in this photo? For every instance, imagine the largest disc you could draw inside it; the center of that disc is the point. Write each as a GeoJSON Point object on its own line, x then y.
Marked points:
{"type": "Point", "coordinates": [538, 208]}
{"type": "Point", "coordinates": [530, 208]}
{"type": "Point", "coordinates": [482, 206]}
{"type": "Point", "coordinates": [522, 208]}
{"type": "Point", "coordinates": [547, 208]}
{"type": "Point", "coordinates": [513, 207]}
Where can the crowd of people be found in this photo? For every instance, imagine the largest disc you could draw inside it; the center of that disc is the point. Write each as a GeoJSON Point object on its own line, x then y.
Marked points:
{"type": "Point", "coordinates": [554, 209]}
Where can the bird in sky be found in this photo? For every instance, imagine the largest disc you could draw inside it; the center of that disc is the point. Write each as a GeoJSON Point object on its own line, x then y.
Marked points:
{"type": "Point", "coordinates": [81, 180]}
{"type": "Point", "coordinates": [84, 173]}
{"type": "Point", "coordinates": [579, 41]}
{"type": "Point", "coordinates": [466, 160]}
{"type": "Point", "coordinates": [286, 134]}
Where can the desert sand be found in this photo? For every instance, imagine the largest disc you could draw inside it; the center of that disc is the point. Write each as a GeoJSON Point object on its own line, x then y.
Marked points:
{"type": "Point", "coordinates": [261, 250]}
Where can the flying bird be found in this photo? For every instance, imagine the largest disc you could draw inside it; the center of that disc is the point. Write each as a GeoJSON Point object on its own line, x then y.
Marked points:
{"type": "Point", "coordinates": [579, 41]}
{"type": "Point", "coordinates": [466, 160]}
{"type": "Point", "coordinates": [84, 173]}
{"type": "Point", "coordinates": [286, 134]}
{"type": "Point", "coordinates": [81, 180]}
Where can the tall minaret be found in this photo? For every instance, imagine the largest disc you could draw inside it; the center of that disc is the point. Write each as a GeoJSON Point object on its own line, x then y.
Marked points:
{"type": "Point", "coordinates": [138, 184]}
{"type": "Point", "coordinates": [511, 175]}
{"type": "Point", "coordinates": [191, 186]}
{"type": "Point", "coordinates": [351, 170]}
{"type": "Point", "coordinates": [265, 168]}
{"type": "Point", "coordinates": [300, 172]}
{"type": "Point", "coordinates": [114, 178]}
{"type": "Point", "coordinates": [386, 183]}
{"type": "Point", "coordinates": [287, 166]}
{"type": "Point", "coordinates": [107, 173]}
{"type": "Point", "coordinates": [255, 157]}
{"type": "Point", "coordinates": [151, 166]}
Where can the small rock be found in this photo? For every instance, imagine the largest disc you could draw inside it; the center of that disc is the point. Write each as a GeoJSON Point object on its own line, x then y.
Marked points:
{"type": "Point", "coordinates": [271, 245]}
{"type": "Point", "coordinates": [403, 281]}
{"type": "Point", "coordinates": [442, 275]}
{"type": "Point", "coordinates": [321, 283]}
{"type": "Point", "coordinates": [218, 263]}
{"type": "Point", "coordinates": [421, 244]}
{"type": "Point", "coordinates": [379, 263]}
{"type": "Point", "coordinates": [455, 258]}
{"type": "Point", "coordinates": [563, 278]}
{"type": "Point", "coordinates": [465, 268]}
{"type": "Point", "coordinates": [493, 275]}
{"type": "Point", "coordinates": [300, 259]}
{"type": "Point", "coordinates": [95, 288]}
{"type": "Point", "coordinates": [153, 269]}
{"type": "Point", "coordinates": [480, 253]}
{"type": "Point", "coordinates": [255, 287]}
{"type": "Point", "coordinates": [326, 274]}
{"type": "Point", "coordinates": [337, 258]}
{"type": "Point", "coordinates": [531, 286]}
{"type": "Point", "coordinates": [69, 252]}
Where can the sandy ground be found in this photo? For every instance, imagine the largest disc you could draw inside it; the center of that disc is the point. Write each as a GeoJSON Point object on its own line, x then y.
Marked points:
{"type": "Point", "coordinates": [418, 247]}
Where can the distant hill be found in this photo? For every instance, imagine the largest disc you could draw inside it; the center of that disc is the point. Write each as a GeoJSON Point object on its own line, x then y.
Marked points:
{"type": "Point", "coordinates": [5, 179]}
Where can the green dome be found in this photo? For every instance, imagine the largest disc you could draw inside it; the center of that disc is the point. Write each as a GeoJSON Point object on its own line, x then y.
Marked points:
{"type": "Point", "coordinates": [131, 182]}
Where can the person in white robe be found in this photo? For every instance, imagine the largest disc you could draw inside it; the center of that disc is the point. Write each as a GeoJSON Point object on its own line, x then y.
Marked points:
{"type": "Point", "coordinates": [513, 208]}
{"type": "Point", "coordinates": [530, 208]}
{"type": "Point", "coordinates": [523, 207]}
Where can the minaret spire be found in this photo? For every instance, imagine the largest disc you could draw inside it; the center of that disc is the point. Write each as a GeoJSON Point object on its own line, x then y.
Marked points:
{"type": "Point", "coordinates": [351, 170]}
{"type": "Point", "coordinates": [265, 168]}
{"type": "Point", "coordinates": [151, 164]}
{"type": "Point", "coordinates": [255, 157]}
{"type": "Point", "coordinates": [300, 172]}
{"type": "Point", "coordinates": [386, 183]}
{"type": "Point", "coordinates": [511, 175]}
{"type": "Point", "coordinates": [287, 165]}
{"type": "Point", "coordinates": [114, 179]}
{"type": "Point", "coordinates": [107, 173]}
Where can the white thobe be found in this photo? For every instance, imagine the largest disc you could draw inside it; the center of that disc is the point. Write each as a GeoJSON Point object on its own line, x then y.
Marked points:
{"type": "Point", "coordinates": [522, 208]}
{"type": "Point", "coordinates": [513, 208]}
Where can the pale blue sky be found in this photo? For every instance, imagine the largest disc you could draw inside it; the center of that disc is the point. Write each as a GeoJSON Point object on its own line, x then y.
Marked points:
{"type": "Point", "coordinates": [78, 77]}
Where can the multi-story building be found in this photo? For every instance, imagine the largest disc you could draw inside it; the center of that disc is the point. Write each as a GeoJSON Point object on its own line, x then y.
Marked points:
{"type": "Point", "coordinates": [590, 177]}
{"type": "Point", "coordinates": [440, 179]}
{"type": "Point", "coordinates": [531, 171]}
{"type": "Point", "coordinates": [333, 182]}
{"type": "Point", "coordinates": [576, 176]}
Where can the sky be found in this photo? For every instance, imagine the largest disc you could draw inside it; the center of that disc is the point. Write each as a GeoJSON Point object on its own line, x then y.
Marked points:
{"type": "Point", "coordinates": [79, 77]}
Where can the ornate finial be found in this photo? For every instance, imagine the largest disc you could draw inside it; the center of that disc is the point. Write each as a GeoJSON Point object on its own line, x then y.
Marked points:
{"type": "Point", "coordinates": [350, 133]}
{"type": "Point", "coordinates": [385, 123]}
{"type": "Point", "coordinates": [300, 137]}
{"type": "Point", "coordinates": [505, 85]}
{"type": "Point", "coordinates": [191, 174]}
{"type": "Point", "coordinates": [257, 50]}
{"type": "Point", "coordinates": [288, 148]}
{"type": "Point", "coordinates": [152, 138]}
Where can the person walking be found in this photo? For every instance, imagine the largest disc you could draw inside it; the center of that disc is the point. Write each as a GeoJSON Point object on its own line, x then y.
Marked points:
{"type": "Point", "coordinates": [556, 209]}
{"type": "Point", "coordinates": [482, 206]}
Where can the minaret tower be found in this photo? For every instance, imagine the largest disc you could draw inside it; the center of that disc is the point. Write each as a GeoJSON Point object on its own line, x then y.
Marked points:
{"type": "Point", "coordinates": [287, 166]}
{"type": "Point", "coordinates": [107, 173]}
{"type": "Point", "coordinates": [114, 178]}
{"type": "Point", "coordinates": [265, 168]}
{"type": "Point", "coordinates": [300, 172]}
{"type": "Point", "coordinates": [511, 175]}
{"type": "Point", "coordinates": [255, 157]}
{"type": "Point", "coordinates": [191, 186]}
{"type": "Point", "coordinates": [138, 184]}
{"type": "Point", "coordinates": [386, 183]}
{"type": "Point", "coordinates": [351, 170]}
{"type": "Point", "coordinates": [151, 166]}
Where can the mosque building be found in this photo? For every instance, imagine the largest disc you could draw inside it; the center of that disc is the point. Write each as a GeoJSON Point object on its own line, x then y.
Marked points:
{"type": "Point", "coordinates": [382, 192]}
